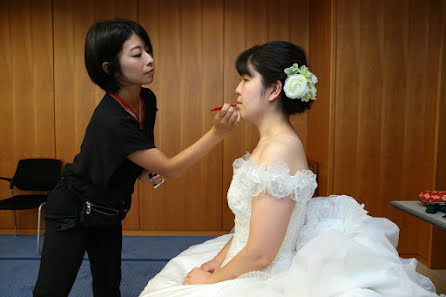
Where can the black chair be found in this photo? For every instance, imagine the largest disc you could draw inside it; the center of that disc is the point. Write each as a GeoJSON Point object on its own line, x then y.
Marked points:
{"type": "Point", "coordinates": [31, 175]}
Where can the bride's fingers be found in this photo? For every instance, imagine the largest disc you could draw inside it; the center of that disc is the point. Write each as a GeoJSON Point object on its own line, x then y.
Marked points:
{"type": "Point", "coordinates": [206, 268]}
{"type": "Point", "coordinates": [186, 280]}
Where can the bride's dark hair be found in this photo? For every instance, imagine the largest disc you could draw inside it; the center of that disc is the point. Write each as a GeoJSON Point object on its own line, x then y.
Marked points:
{"type": "Point", "coordinates": [270, 60]}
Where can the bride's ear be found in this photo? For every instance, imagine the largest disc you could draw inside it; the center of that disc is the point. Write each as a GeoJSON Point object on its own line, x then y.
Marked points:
{"type": "Point", "coordinates": [274, 90]}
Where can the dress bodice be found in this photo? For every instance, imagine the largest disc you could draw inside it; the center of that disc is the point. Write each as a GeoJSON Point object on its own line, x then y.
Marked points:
{"type": "Point", "coordinates": [250, 179]}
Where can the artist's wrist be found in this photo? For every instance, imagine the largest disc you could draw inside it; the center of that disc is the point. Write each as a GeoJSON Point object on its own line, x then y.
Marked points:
{"type": "Point", "coordinates": [218, 134]}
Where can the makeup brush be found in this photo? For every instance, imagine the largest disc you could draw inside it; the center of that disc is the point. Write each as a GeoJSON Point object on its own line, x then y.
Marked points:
{"type": "Point", "coordinates": [220, 107]}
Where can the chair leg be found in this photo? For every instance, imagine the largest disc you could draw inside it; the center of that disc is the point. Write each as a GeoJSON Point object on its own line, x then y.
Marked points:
{"type": "Point", "coordinates": [15, 223]}
{"type": "Point", "coordinates": [38, 228]}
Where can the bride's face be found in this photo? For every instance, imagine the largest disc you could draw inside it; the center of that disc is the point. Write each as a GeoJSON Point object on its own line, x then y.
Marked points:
{"type": "Point", "coordinates": [251, 93]}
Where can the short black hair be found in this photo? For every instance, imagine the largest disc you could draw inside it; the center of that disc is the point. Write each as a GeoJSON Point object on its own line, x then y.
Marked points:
{"type": "Point", "coordinates": [270, 61]}
{"type": "Point", "coordinates": [104, 44]}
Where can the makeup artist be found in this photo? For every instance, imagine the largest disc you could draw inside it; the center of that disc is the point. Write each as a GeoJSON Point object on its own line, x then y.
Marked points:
{"type": "Point", "coordinates": [85, 209]}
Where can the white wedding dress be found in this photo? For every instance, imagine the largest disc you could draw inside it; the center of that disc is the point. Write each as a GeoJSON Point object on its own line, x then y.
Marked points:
{"type": "Point", "coordinates": [332, 248]}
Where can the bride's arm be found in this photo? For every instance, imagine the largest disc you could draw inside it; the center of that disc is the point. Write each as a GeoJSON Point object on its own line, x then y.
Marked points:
{"type": "Point", "coordinates": [215, 264]}
{"type": "Point", "coordinates": [269, 222]}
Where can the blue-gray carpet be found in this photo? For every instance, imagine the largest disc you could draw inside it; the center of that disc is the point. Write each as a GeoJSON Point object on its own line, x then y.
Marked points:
{"type": "Point", "coordinates": [142, 258]}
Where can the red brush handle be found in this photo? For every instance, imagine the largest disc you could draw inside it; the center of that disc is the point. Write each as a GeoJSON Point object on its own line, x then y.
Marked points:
{"type": "Point", "coordinates": [220, 107]}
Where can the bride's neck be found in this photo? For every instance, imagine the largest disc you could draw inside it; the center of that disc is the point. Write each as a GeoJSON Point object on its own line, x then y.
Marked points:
{"type": "Point", "coordinates": [274, 124]}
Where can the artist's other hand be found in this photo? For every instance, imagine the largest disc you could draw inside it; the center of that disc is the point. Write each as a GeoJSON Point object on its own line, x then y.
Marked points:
{"type": "Point", "coordinates": [150, 178]}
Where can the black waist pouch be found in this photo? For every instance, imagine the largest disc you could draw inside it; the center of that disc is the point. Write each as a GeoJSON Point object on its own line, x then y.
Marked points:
{"type": "Point", "coordinates": [96, 215]}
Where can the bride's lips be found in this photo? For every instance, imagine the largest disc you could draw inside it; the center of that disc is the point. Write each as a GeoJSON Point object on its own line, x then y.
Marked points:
{"type": "Point", "coordinates": [220, 107]}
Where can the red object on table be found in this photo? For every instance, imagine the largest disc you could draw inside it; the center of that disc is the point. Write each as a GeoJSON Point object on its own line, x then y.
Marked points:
{"type": "Point", "coordinates": [433, 197]}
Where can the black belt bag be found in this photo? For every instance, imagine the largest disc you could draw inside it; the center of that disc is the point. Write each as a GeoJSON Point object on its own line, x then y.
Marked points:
{"type": "Point", "coordinates": [92, 215]}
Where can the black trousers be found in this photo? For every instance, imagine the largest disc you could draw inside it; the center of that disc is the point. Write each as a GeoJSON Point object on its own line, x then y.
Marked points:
{"type": "Point", "coordinates": [62, 256]}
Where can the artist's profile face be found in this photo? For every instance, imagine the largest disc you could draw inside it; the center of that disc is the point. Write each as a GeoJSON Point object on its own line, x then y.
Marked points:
{"type": "Point", "coordinates": [136, 62]}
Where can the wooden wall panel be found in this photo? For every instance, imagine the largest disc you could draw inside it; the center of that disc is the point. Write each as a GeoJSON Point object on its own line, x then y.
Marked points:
{"type": "Point", "coordinates": [75, 95]}
{"type": "Point", "coordinates": [374, 128]}
{"type": "Point", "coordinates": [321, 115]}
{"type": "Point", "coordinates": [26, 85]}
{"type": "Point", "coordinates": [245, 27]}
{"type": "Point", "coordinates": [440, 183]}
{"type": "Point", "coordinates": [386, 64]}
{"type": "Point", "coordinates": [188, 49]}
{"type": "Point", "coordinates": [437, 257]}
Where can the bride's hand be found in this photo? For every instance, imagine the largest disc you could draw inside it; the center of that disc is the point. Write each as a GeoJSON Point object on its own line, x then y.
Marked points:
{"type": "Point", "coordinates": [198, 276]}
{"type": "Point", "coordinates": [211, 266]}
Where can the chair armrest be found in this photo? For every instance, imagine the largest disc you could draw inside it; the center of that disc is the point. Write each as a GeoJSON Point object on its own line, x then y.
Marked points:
{"type": "Point", "coordinates": [7, 179]}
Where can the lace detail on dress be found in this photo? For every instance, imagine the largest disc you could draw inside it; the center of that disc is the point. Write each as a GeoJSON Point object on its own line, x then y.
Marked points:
{"type": "Point", "coordinates": [251, 179]}
{"type": "Point", "coordinates": [334, 213]}
{"type": "Point", "coordinates": [260, 275]}
{"type": "Point", "coordinates": [275, 179]}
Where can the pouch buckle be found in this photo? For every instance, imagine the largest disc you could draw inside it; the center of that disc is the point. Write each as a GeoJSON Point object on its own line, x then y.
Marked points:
{"type": "Point", "coordinates": [88, 210]}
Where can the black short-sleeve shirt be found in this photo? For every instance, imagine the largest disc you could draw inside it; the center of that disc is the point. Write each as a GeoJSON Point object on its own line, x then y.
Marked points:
{"type": "Point", "coordinates": [101, 172]}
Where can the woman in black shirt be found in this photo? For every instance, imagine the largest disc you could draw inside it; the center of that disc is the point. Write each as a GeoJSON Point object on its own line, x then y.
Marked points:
{"type": "Point", "coordinates": [85, 209]}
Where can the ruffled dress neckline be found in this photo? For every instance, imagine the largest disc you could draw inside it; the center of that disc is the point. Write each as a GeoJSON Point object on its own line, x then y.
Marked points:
{"type": "Point", "coordinates": [245, 160]}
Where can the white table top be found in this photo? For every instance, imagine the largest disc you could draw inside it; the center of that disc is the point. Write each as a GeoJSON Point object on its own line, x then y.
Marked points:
{"type": "Point", "coordinates": [418, 209]}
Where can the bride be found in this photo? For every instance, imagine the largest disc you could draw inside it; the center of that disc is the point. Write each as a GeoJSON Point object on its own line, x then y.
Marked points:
{"type": "Point", "coordinates": [285, 244]}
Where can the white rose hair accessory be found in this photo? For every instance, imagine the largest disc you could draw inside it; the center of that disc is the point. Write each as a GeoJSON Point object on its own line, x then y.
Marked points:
{"type": "Point", "coordinates": [300, 83]}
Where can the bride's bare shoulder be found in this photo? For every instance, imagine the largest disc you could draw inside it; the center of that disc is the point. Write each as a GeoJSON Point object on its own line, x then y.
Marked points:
{"type": "Point", "coordinates": [285, 148]}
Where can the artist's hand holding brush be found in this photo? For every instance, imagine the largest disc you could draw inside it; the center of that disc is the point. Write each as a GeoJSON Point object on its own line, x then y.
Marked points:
{"type": "Point", "coordinates": [227, 118]}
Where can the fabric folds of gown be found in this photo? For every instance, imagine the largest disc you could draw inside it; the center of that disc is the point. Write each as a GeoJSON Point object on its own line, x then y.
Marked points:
{"type": "Point", "coordinates": [332, 247]}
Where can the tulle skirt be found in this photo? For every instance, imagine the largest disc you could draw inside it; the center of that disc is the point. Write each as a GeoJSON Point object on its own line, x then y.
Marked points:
{"type": "Point", "coordinates": [341, 252]}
